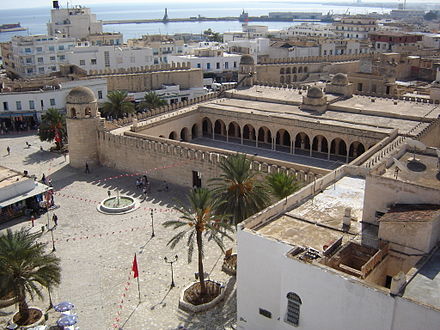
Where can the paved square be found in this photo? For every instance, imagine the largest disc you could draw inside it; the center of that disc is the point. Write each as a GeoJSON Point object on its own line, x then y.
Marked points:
{"type": "Point", "coordinates": [97, 250]}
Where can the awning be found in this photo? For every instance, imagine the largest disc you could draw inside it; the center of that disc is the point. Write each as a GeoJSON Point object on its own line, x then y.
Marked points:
{"type": "Point", "coordinates": [16, 114]}
{"type": "Point", "coordinates": [39, 189]}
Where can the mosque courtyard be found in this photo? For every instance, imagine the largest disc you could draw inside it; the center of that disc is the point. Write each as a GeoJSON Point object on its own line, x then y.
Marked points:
{"type": "Point", "coordinates": [97, 250]}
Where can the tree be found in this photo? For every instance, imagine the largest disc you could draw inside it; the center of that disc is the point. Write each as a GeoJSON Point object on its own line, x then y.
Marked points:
{"type": "Point", "coordinates": [282, 184]}
{"type": "Point", "coordinates": [151, 101]}
{"type": "Point", "coordinates": [239, 187]}
{"type": "Point", "coordinates": [25, 267]}
{"type": "Point", "coordinates": [53, 127]}
{"type": "Point", "coordinates": [431, 15]}
{"type": "Point", "coordinates": [201, 218]}
{"type": "Point", "coordinates": [117, 105]}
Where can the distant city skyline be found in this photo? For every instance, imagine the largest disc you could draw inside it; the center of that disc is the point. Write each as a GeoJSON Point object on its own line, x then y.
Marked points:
{"type": "Point", "coordinates": [88, 3]}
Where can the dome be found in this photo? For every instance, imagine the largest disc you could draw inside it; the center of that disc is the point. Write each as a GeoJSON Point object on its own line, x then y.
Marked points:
{"type": "Point", "coordinates": [80, 95]}
{"type": "Point", "coordinates": [340, 79]}
{"type": "Point", "coordinates": [315, 93]}
{"type": "Point", "coordinates": [247, 60]}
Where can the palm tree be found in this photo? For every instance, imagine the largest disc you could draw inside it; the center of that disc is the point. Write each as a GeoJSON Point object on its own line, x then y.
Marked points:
{"type": "Point", "coordinates": [282, 184]}
{"type": "Point", "coordinates": [200, 219]}
{"type": "Point", "coordinates": [239, 187]}
{"type": "Point", "coordinates": [25, 267]}
{"type": "Point", "coordinates": [117, 105]}
{"type": "Point", "coordinates": [151, 101]}
{"type": "Point", "coordinates": [53, 127]}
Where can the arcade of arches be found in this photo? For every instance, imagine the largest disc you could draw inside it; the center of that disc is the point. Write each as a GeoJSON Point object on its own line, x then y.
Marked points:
{"type": "Point", "coordinates": [282, 140]}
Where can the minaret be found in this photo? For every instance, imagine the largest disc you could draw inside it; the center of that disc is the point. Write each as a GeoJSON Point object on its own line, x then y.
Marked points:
{"type": "Point", "coordinates": [165, 17]}
{"type": "Point", "coordinates": [246, 72]}
{"type": "Point", "coordinates": [82, 121]}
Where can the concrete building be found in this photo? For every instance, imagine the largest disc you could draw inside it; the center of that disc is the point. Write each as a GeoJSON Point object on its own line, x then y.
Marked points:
{"type": "Point", "coordinates": [310, 30]}
{"type": "Point", "coordinates": [76, 22]}
{"type": "Point", "coordinates": [406, 13]}
{"type": "Point", "coordinates": [116, 57]}
{"type": "Point", "coordinates": [23, 103]}
{"type": "Point", "coordinates": [355, 27]}
{"type": "Point", "coordinates": [255, 47]}
{"type": "Point", "coordinates": [30, 56]}
{"type": "Point", "coordinates": [393, 42]}
{"type": "Point", "coordinates": [173, 94]}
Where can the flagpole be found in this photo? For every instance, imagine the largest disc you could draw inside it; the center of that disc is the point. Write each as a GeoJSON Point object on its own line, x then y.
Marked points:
{"type": "Point", "coordinates": [139, 290]}
{"type": "Point", "coordinates": [135, 270]}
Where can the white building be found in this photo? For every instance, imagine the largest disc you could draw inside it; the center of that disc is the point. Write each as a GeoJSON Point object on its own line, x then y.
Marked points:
{"type": "Point", "coordinates": [254, 47]}
{"type": "Point", "coordinates": [37, 55]}
{"type": "Point", "coordinates": [309, 30]}
{"type": "Point", "coordinates": [172, 94]}
{"type": "Point", "coordinates": [355, 27]}
{"type": "Point", "coordinates": [114, 57]}
{"type": "Point", "coordinates": [350, 251]}
{"type": "Point", "coordinates": [18, 104]}
{"type": "Point", "coordinates": [76, 22]}
{"type": "Point", "coordinates": [249, 31]}
{"type": "Point", "coordinates": [210, 60]}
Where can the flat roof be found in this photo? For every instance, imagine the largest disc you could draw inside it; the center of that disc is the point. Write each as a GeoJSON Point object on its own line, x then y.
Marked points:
{"type": "Point", "coordinates": [8, 177]}
{"type": "Point", "coordinates": [318, 221]}
{"type": "Point", "coordinates": [411, 213]}
{"type": "Point", "coordinates": [425, 286]}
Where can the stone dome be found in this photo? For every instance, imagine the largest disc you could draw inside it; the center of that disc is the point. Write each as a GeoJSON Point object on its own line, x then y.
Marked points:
{"type": "Point", "coordinates": [315, 93]}
{"type": "Point", "coordinates": [247, 60]}
{"type": "Point", "coordinates": [340, 79]}
{"type": "Point", "coordinates": [80, 95]}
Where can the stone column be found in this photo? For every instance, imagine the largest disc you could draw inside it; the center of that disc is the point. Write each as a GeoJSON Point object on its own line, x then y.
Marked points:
{"type": "Point", "coordinates": [241, 135]}
{"type": "Point", "coordinates": [348, 152]}
{"type": "Point", "coordinates": [320, 143]}
{"type": "Point", "coordinates": [328, 152]}
{"type": "Point", "coordinates": [273, 143]}
{"type": "Point", "coordinates": [292, 147]}
{"type": "Point", "coordinates": [227, 135]}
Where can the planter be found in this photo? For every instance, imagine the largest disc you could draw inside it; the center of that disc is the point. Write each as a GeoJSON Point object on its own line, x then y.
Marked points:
{"type": "Point", "coordinates": [8, 300]}
{"type": "Point", "coordinates": [37, 318]}
{"type": "Point", "coordinates": [192, 289]}
{"type": "Point", "coordinates": [230, 264]}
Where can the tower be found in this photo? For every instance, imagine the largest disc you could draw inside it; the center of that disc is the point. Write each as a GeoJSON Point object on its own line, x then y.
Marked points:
{"type": "Point", "coordinates": [82, 122]}
{"type": "Point", "coordinates": [246, 72]}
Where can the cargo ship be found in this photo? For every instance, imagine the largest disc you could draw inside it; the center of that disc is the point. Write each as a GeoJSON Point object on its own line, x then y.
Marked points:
{"type": "Point", "coordinates": [11, 27]}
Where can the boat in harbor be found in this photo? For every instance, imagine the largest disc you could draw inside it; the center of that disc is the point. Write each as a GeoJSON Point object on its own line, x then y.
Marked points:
{"type": "Point", "coordinates": [11, 27]}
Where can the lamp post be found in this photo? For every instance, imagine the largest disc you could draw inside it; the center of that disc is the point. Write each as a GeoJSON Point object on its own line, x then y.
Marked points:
{"type": "Point", "coordinates": [50, 300]}
{"type": "Point", "coordinates": [53, 241]}
{"type": "Point", "coordinates": [171, 261]}
{"type": "Point", "coordinates": [152, 223]}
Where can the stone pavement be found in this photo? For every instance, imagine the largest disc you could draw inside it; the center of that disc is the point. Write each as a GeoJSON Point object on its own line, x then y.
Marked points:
{"type": "Point", "coordinates": [97, 250]}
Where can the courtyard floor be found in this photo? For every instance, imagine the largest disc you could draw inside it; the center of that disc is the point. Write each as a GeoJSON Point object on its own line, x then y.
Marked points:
{"type": "Point", "coordinates": [97, 250]}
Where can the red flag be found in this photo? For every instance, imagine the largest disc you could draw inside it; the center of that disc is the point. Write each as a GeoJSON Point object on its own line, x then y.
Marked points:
{"type": "Point", "coordinates": [134, 268]}
{"type": "Point", "coordinates": [57, 136]}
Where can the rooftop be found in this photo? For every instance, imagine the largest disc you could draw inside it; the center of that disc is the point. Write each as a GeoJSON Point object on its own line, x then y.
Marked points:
{"type": "Point", "coordinates": [8, 177]}
{"type": "Point", "coordinates": [411, 213]}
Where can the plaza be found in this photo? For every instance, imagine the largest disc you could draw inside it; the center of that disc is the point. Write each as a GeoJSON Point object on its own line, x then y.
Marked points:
{"type": "Point", "coordinates": [97, 250]}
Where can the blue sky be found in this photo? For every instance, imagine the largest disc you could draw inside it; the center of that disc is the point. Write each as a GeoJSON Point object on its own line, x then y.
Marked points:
{"type": "Point", "coordinates": [5, 4]}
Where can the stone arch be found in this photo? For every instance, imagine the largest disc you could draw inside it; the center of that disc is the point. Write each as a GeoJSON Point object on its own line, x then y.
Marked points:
{"type": "Point", "coordinates": [249, 132]}
{"type": "Point", "coordinates": [288, 71]}
{"type": "Point", "coordinates": [356, 149]}
{"type": "Point", "coordinates": [195, 131]}
{"type": "Point", "coordinates": [282, 79]}
{"type": "Point", "coordinates": [287, 79]}
{"type": "Point", "coordinates": [73, 113]}
{"type": "Point", "coordinates": [282, 71]}
{"type": "Point", "coordinates": [295, 78]}
{"type": "Point", "coordinates": [220, 127]}
{"type": "Point", "coordinates": [338, 147]}
{"type": "Point", "coordinates": [88, 112]}
{"type": "Point", "coordinates": [302, 141]}
{"type": "Point", "coordinates": [184, 134]}
{"type": "Point", "coordinates": [306, 69]}
{"type": "Point", "coordinates": [320, 144]}
{"type": "Point", "coordinates": [264, 135]}
{"type": "Point", "coordinates": [172, 136]}
{"type": "Point", "coordinates": [207, 127]}
{"type": "Point", "coordinates": [234, 130]}
{"type": "Point", "coordinates": [294, 69]}
{"type": "Point", "coordinates": [282, 140]}
{"type": "Point", "coordinates": [300, 69]}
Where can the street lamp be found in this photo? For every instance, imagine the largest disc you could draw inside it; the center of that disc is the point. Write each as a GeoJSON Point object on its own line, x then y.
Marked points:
{"type": "Point", "coordinates": [152, 223]}
{"type": "Point", "coordinates": [53, 241]}
{"type": "Point", "coordinates": [50, 300]}
{"type": "Point", "coordinates": [171, 261]}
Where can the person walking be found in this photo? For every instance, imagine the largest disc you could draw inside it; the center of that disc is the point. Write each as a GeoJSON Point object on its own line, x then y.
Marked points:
{"type": "Point", "coordinates": [109, 193]}
{"type": "Point", "coordinates": [55, 219]}
{"type": "Point", "coordinates": [43, 179]}
{"type": "Point", "coordinates": [144, 193]}
{"type": "Point", "coordinates": [87, 168]}
{"type": "Point", "coordinates": [8, 149]}
{"type": "Point", "coordinates": [33, 220]}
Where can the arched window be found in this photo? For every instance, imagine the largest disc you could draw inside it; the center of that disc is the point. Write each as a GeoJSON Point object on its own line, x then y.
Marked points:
{"type": "Point", "coordinates": [293, 304]}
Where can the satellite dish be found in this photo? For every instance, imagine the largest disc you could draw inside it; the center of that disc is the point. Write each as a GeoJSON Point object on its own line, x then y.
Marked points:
{"type": "Point", "coordinates": [400, 165]}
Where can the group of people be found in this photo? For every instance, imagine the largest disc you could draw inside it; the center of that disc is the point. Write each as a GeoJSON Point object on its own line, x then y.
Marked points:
{"type": "Point", "coordinates": [143, 184]}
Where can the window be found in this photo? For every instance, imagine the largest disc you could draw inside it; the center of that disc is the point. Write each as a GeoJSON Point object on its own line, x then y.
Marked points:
{"type": "Point", "coordinates": [265, 313]}
{"type": "Point", "coordinates": [51, 48]}
{"type": "Point", "coordinates": [53, 68]}
{"type": "Point", "coordinates": [293, 304]}
{"type": "Point", "coordinates": [42, 104]}
{"type": "Point", "coordinates": [52, 102]}
{"type": "Point", "coordinates": [62, 57]}
{"type": "Point", "coordinates": [106, 59]}
{"type": "Point", "coordinates": [198, 65]}
{"type": "Point", "coordinates": [226, 65]}
{"type": "Point", "coordinates": [100, 95]}
{"type": "Point", "coordinates": [61, 47]}
{"type": "Point", "coordinates": [235, 64]}
{"type": "Point", "coordinates": [29, 60]}
{"type": "Point", "coordinates": [359, 87]}
{"type": "Point", "coordinates": [29, 70]}
{"type": "Point", "coordinates": [217, 65]}
{"type": "Point", "coordinates": [31, 105]}
{"type": "Point", "coordinates": [5, 106]}
{"type": "Point", "coordinates": [208, 66]}
{"type": "Point", "coordinates": [27, 50]}
{"type": "Point", "coordinates": [18, 105]}
{"type": "Point", "coordinates": [41, 70]}
{"type": "Point", "coordinates": [82, 62]}
{"type": "Point", "coordinates": [387, 90]}
{"type": "Point", "coordinates": [40, 60]}
{"type": "Point", "coordinates": [39, 49]}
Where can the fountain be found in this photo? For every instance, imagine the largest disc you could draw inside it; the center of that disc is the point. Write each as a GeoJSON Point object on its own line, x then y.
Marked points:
{"type": "Point", "coordinates": [118, 204]}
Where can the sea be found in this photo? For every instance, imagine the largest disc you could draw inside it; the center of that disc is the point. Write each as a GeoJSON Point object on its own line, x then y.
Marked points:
{"type": "Point", "coordinates": [35, 19]}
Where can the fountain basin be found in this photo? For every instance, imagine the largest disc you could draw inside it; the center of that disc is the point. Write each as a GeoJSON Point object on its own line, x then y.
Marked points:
{"type": "Point", "coordinates": [115, 205]}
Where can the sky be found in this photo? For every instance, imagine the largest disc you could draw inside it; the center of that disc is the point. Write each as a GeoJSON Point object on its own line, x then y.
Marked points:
{"type": "Point", "coordinates": [7, 4]}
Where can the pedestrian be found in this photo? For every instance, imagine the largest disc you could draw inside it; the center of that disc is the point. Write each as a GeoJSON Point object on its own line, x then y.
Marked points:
{"type": "Point", "coordinates": [138, 183]}
{"type": "Point", "coordinates": [33, 220]}
{"type": "Point", "coordinates": [28, 145]}
{"type": "Point", "coordinates": [49, 182]}
{"type": "Point", "coordinates": [43, 179]}
{"type": "Point", "coordinates": [55, 219]}
{"type": "Point", "coordinates": [8, 149]}
{"type": "Point", "coordinates": [65, 156]}
{"type": "Point", "coordinates": [109, 193]}
{"type": "Point", "coordinates": [148, 187]}
{"type": "Point", "coordinates": [144, 192]}
{"type": "Point", "coordinates": [87, 168]}
{"type": "Point", "coordinates": [41, 148]}
{"type": "Point", "coordinates": [396, 172]}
